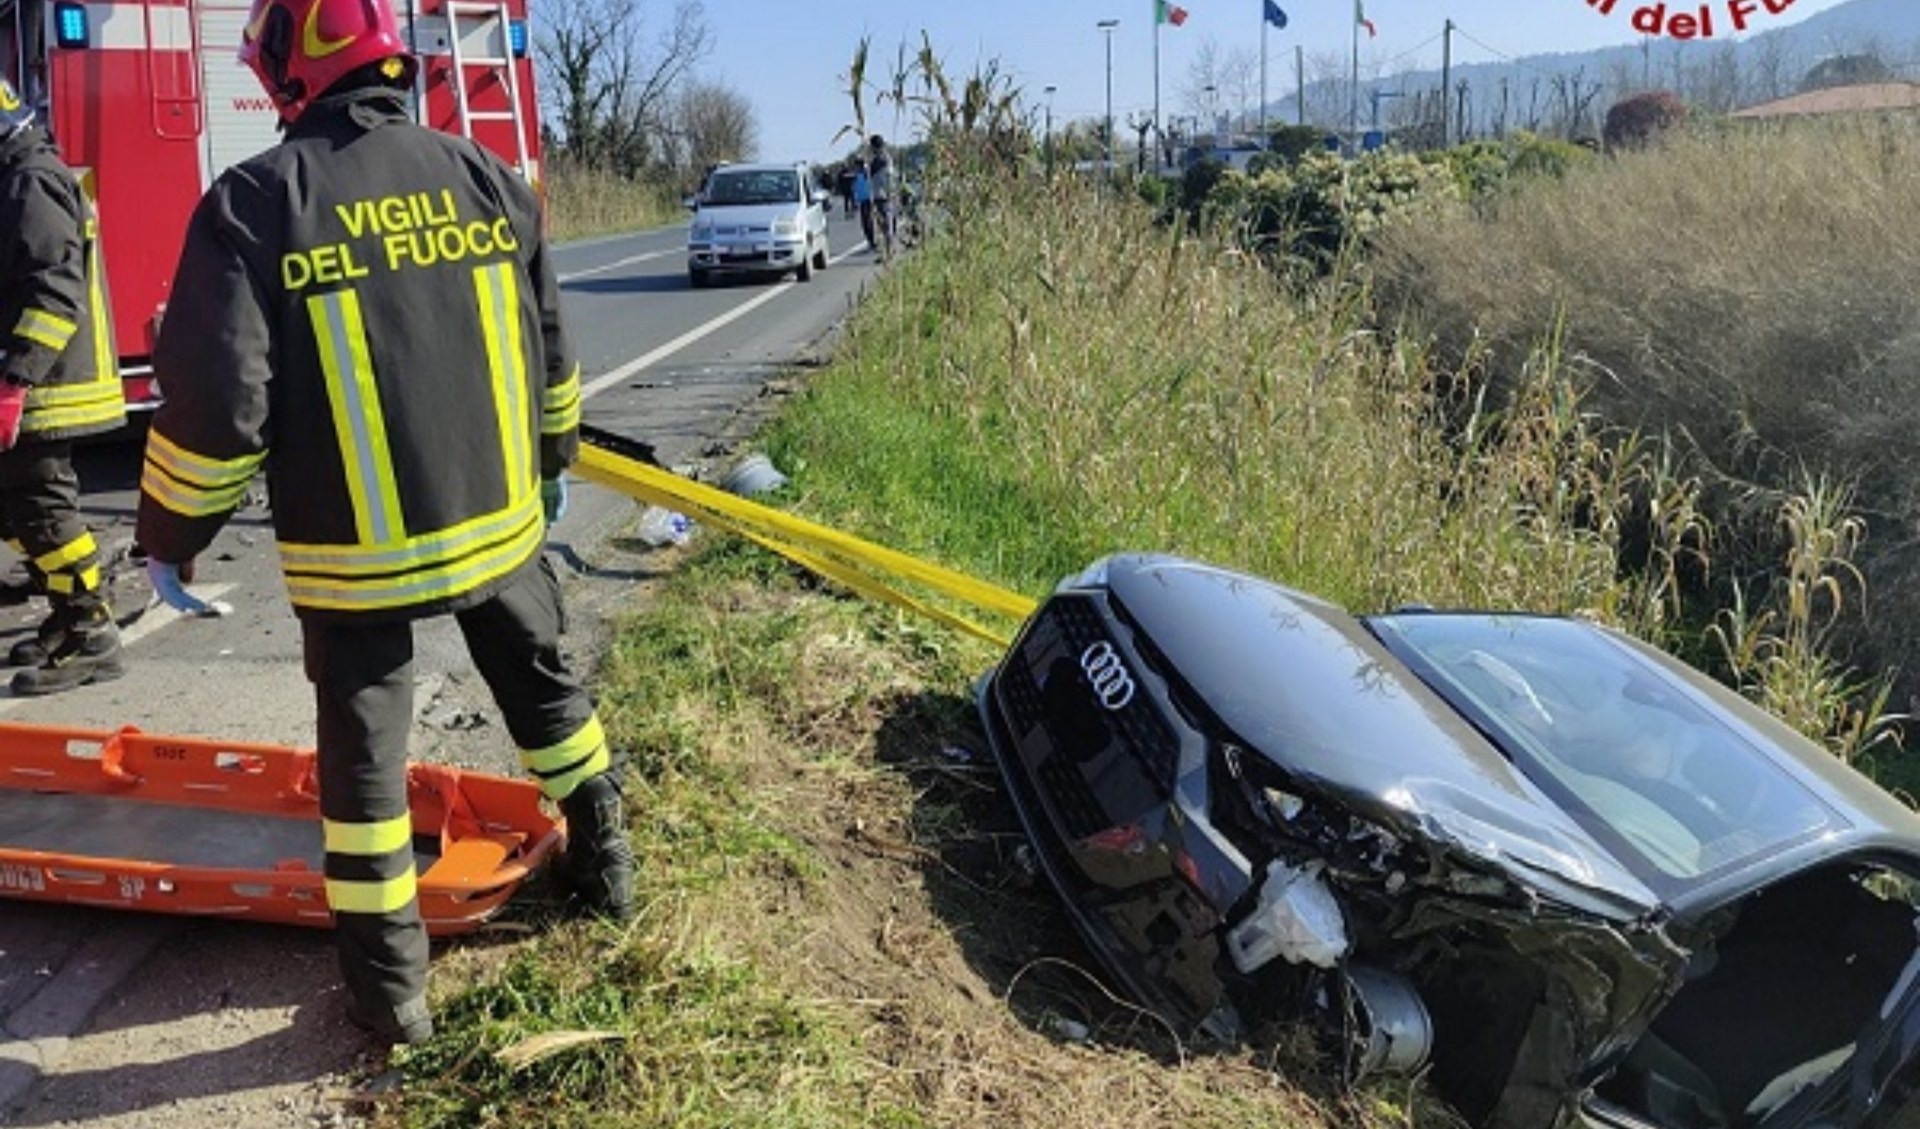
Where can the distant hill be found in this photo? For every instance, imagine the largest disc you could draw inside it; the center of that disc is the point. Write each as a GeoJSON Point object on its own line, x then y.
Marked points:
{"type": "Point", "coordinates": [1568, 93]}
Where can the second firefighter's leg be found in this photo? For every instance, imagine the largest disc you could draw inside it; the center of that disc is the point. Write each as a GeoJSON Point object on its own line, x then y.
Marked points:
{"type": "Point", "coordinates": [514, 639]}
{"type": "Point", "coordinates": [78, 643]}
{"type": "Point", "coordinates": [363, 685]}
{"type": "Point", "coordinates": [17, 590]}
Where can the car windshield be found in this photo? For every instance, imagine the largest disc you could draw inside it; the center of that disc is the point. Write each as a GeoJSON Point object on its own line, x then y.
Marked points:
{"type": "Point", "coordinates": [774, 186]}
{"type": "Point", "coordinates": [1647, 766]}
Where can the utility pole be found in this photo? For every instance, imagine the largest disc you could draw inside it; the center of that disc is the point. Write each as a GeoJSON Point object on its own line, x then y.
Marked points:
{"type": "Point", "coordinates": [1446, 76]}
{"type": "Point", "coordinates": [1263, 80]}
{"type": "Point", "coordinates": [1158, 144]}
{"type": "Point", "coordinates": [1353, 91]}
{"type": "Point", "coordinates": [1107, 26]}
{"type": "Point", "coordinates": [1049, 140]}
{"type": "Point", "coordinates": [1300, 84]}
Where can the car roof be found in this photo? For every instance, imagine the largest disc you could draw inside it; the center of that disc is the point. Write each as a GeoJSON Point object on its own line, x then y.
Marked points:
{"type": "Point", "coordinates": [762, 166]}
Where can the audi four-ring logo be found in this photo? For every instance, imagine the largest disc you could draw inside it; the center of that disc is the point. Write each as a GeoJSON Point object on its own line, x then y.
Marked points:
{"type": "Point", "coordinates": [1108, 675]}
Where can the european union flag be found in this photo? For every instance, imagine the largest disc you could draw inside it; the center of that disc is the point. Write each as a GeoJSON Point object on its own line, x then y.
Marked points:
{"type": "Point", "coordinates": [1275, 16]}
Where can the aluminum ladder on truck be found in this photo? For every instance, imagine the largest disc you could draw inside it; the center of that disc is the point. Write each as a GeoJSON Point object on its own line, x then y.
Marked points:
{"type": "Point", "coordinates": [494, 26]}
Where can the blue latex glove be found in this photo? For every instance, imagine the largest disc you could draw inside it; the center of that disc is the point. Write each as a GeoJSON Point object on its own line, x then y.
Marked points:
{"type": "Point", "coordinates": [553, 498]}
{"type": "Point", "coordinates": [172, 590]}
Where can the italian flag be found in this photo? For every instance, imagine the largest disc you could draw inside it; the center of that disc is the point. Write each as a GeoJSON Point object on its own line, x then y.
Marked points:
{"type": "Point", "coordinates": [1167, 12]}
{"type": "Point", "coordinates": [1360, 17]}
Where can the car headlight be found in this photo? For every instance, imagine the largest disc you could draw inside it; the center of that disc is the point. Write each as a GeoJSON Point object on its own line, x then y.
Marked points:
{"type": "Point", "coordinates": [786, 227]}
{"type": "Point", "coordinates": [701, 232]}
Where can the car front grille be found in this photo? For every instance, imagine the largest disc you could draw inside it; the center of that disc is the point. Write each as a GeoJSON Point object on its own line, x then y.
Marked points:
{"type": "Point", "coordinates": [1139, 725]}
{"type": "Point", "coordinates": [1096, 766]}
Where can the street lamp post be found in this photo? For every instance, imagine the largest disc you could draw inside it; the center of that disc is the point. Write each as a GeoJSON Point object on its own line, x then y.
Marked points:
{"type": "Point", "coordinates": [1213, 110]}
{"type": "Point", "coordinates": [1107, 27]}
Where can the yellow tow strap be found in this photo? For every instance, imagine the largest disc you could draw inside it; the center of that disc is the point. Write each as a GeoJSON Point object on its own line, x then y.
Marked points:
{"type": "Point", "coordinates": [859, 565]}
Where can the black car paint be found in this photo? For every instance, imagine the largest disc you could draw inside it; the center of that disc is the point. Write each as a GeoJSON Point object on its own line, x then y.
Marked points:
{"type": "Point", "coordinates": [1444, 838]}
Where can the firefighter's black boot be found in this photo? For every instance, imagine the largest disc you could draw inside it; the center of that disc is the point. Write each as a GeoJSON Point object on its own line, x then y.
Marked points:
{"type": "Point", "coordinates": [87, 649]}
{"type": "Point", "coordinates": [598, 865]}
{"type": "Point", "coordinates": [408, 1026]}
{"type": "Point", "coordinates": [34, 651]}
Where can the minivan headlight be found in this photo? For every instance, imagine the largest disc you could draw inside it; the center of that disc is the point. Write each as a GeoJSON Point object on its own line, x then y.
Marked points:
{"type": "Point", "coordinates": [786, 227]}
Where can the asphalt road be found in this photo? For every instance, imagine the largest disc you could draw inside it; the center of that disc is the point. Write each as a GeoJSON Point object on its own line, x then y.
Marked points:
{"type": "Point", "coordinates": [691, 371]}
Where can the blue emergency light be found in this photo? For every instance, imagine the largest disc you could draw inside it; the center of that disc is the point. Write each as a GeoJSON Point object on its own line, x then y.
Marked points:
{"type": "Point", "coordinates": [70, 24]}
{"type": "Point", "coordinates": [517, 36]}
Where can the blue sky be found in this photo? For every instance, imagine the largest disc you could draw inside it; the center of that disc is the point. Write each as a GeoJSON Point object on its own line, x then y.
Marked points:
{"type": "Point", "coordinates": [789, 59]}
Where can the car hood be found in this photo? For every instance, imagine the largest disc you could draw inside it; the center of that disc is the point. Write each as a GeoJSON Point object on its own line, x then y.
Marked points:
{"type": "Point", "coordinates": [1305, 685]}
{"type": "Point", "coordinates": [745, 215]}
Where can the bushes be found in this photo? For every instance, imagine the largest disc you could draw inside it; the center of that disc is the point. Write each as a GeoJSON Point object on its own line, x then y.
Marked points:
{"type": "Point", "coordinates": [1485, 167]}
{"type": "Point", "coordinates": [1309, 211]}
{"type": "Point", "coordinates": [1640, 119]}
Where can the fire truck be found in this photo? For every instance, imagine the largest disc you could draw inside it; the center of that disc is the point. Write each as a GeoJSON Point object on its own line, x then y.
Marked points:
{"type": "Point", "coordinates": [148, 102]}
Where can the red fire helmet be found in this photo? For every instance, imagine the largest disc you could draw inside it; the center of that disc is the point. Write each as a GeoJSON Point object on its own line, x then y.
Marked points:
{"type": "Point", "coordinates": [299, 48]}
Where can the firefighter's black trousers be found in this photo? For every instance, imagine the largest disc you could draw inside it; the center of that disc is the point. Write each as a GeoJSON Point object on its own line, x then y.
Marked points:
{"type": "Point", "coordinates": [40, 516]}
{"type": "Point", "coordinates": [363, 683]}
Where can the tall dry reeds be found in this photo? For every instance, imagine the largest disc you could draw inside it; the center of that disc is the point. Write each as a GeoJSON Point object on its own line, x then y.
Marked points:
{"type": "Point", "coordinates": [583, 202]}
{"type": "Point", "coordinates": [1749, 291]}
{"type": "Point", "coordinates": [1142, 388]}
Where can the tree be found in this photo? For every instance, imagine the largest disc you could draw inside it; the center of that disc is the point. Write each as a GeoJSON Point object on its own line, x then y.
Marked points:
{"type": "Point", "coordinates": [714, 125]}
{"type": "Point", "coordinates": [1291, 142]}
{"type": "Point", "coordinates": [1573, 98]}
{"type": "Point", "coordinates": [1846, 70]}
{"type": "Point", "coordinates": [608, 89]}
{"type": "Point", "coordinates": [1641, 119]}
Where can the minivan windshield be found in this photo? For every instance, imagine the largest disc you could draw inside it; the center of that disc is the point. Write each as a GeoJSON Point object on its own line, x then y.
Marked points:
{"type": "Point", "coordinates": [1663, 777]}
{"type": "Point", "coordinates": [775, 186]}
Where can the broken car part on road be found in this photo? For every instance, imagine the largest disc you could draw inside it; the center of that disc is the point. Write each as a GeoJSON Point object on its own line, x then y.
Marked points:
{"type": "Point", "coordinates": [1579, 881]}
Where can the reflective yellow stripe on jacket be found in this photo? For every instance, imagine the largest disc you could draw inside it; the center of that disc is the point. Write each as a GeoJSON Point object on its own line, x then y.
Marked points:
{"type": "Point", "coordinates": [86, 404]}
{"type": "Point", "coordinates": [106, 356]}
{"type": "Point", "coordinates": [193, 485]}
{"type": "Point", "coordinates": [45, 327]}
{"type": "Point", "coordinates": [390, 567]}
{"type": "Point", "coordinates": [560, 406]}
{"type": "Point", "coordinates": [357, 421]}
{"type": "Point", "coordinates": [436, 566]}
{"type": "Point", "coordinates": [497, 290]}
{"type": "Point", "coordinates": [94, 401]}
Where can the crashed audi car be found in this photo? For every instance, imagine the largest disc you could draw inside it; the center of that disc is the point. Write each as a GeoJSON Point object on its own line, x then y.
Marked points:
{"type": "Point", "coordinates": [1574, 880]}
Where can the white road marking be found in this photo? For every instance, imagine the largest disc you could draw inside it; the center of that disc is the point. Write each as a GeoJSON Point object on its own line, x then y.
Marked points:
{"type": "Point", "coordinates": [159, 615]}
{"type": "Point", "coordinates": [150, 621]}
{"type": "Point", "coordinates": [614, 376]}
{"type": "Point", "coordinates": [645, 361]}
{"type": "Point", "coordinates": [616, 264]}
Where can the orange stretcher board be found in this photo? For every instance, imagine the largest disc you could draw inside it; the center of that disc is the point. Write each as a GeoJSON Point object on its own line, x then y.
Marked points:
{"type": "Point", "coordinates": [129, 820]}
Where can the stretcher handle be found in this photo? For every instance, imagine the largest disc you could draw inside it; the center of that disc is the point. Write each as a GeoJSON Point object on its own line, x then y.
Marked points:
{"type": "Point", "coordinates": [303, 776]}
{"type": "Point", "coordinates": [113, 756]}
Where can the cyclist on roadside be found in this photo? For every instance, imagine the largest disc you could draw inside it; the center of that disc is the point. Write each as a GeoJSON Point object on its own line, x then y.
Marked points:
{"type": "Point", "coordinates": [880, 178]}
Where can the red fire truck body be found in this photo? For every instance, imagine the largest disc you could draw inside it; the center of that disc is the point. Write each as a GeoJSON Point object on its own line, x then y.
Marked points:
{"type": "Point", "coordinates": [148, 101]}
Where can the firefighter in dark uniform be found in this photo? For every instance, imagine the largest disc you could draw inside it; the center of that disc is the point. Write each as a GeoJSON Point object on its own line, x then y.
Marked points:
{"type": "Point", "coordinates": [58, 382]}
{"type": "Point", "coordinates": [368, 312]}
